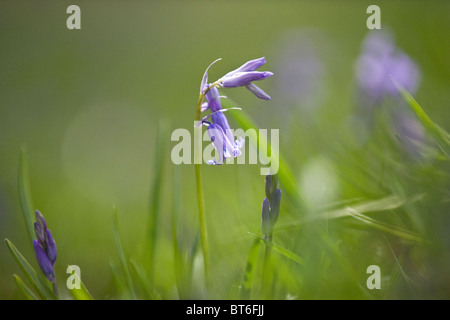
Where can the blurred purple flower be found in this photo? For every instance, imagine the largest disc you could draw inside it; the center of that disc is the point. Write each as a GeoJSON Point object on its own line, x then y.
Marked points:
{"type": "Point", "coordinates": [44, 247]}
{"type": "Point", "coordinates": [412, 135]}
{"type": "Point", "coordinates": [300, 66]}
{"type": "Point", "coordinates": [380, 60]}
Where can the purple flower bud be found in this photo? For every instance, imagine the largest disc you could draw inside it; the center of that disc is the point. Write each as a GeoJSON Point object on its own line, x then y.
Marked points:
{"type": "Point", "coordinates": [213, 99]}
{"type": "Point", "coordinates": [275, 207]}
{"type": "Point", "coordinates": [244, 78]}
{"type": "Point", "coordinates": [41, 220]}
{"type": "Point", "coordinates": [51, 248]}
{"type": "Point", "coordinates": [40, 235]}
{"type": "Point", "coordinates": [257, 91]}
{"type": "Point", "coordinates": [251, 65]}
{"type": "Point", "coordinates": [44, 262]}
{"type": "Point", "coordinates": [270, 184]}
{"type": "Point", "coordinates": [266, 226]}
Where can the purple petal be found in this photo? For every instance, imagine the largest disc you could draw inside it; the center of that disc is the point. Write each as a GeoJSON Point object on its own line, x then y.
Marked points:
{"type": "Point", "coordinates": [251, 65]}
{"type": "Point", "coordinates": [213, 99]}
{"type": "Point", "coordinates": [44, 262]}
{"type": "Point", "coordinates": [220, 119]}
{"type": "Point", "coordinates": [257, 91]}
{"type": "Point", "coordinates": [243, 78]}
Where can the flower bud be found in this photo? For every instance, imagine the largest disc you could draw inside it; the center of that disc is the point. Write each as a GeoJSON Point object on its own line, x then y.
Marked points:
{"type": "Point", "coordinates": [244, 78]}
{"type": "Point", "coordinates": [44, 262]}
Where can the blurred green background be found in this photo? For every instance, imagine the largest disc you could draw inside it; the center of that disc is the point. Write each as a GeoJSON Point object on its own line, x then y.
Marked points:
{"type": "Point", "coordinates": [87, 104]}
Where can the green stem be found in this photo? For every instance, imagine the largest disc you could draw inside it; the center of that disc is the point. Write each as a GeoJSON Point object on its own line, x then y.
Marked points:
{"type": "Point", "coordinates": [266, 266]}
{"type": "Point", "coordinates": [201, 203]}
{"type": "Point", "coordinates": [55, 289]}
{"type": "Point", "coordinates": [200, 199]}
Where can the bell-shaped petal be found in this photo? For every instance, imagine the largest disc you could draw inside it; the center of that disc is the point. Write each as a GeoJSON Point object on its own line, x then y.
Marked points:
{"type": "Point", "coordinates": [244, 78]}
{"type": "Point", "coordinates": [213, 99]}
{"type": "Point", "coordinates": [220, 119]}
{"type": "Point", "coordinates": [224, 146]}
{"type": "Point", "coordinates": [257, 91]}
{"type": "Point", "coordinates": [251, 65]}
{"type": "Point", "coordinates": [44, 262]}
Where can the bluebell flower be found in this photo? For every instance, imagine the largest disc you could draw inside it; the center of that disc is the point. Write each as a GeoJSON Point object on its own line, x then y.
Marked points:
{"type": "Point", "coordinates": [44, 247]}
{"type": "Point", "coordinates": [219, 130]}
{"type": "Point", "coordinates": [224, 146]}
{"type": "Point", "coordinates": [379, 61]}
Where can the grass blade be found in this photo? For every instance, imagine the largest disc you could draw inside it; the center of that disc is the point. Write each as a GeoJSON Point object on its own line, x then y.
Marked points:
{"type": "Point", "coordinates": [441, 137]}
{"type": "Point", "coordinates": [42, 289]}
{"type": "Point", "coordinates": [250, 270]}
{"type": "Point", "coordinates": [28, 293]}
{"type": "Point", "coordinates": [284, 172]}
{"type": "Point", "coordinates": [161, 143]}
{"type": "Point", "coordinates": [26, 202]}
{"type": "Point", "coordinates": [285, 252]}
{"type": "Point", "coordinates": [405, 234]}
{"type": "Point", "coordinates": [121, 253]}
{"type": "Point", "coordinates": [82, 293]}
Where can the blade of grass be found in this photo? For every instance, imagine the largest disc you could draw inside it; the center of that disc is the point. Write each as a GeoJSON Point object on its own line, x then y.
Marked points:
{"type": "Point", "coordinates": [250, 270]}
{"type": "Point", "coordinates": [82, 293]}
{"type": "Point", "coordinates": [161, 143]}
{"type": "Point", "coordinates": [122, 258]}
{"type": "Point", "coordinates": [27, 292]}
{"type": "Point", "coordinates": [26, 202]}
{"type": "Point", "coordinates": [284, 172]}
{"type": "Point", "coordinates": [404, 234]}
{"type": "Point", "coordinates": [144, 280]}
{"type": "Point", "coordinates": [441, 137]}
{"type": "Point", "coordinates": [285, 252]}
{"type": "Point", "coordinates": [175, 214]}
{"type": "Point", "coordinates": [42, 289]}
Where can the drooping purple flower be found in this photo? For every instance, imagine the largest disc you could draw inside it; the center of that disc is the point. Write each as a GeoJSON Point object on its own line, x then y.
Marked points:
{"type": "Point", "coordinates": [224, 146]}
{"type": "Point", "coordinates": [251, 65]}
{"type": "Point", "coordinates": [219, 130]}
{"type": "Point", "coordinates": [44, 262]}
{"type": "Point", "coordinates": [243, 78]}
{"type": "Point", "coordinates": [219, 119]}
{"type": "Point", "coordinates": [44, 247]}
